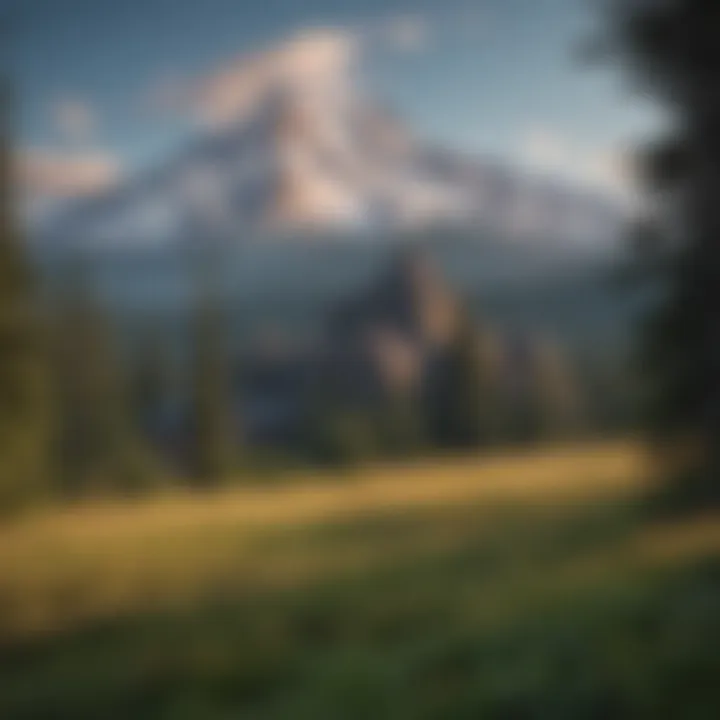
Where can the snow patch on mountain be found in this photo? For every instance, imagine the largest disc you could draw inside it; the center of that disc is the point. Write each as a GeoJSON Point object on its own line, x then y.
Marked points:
{"type": "Point", "coordinates": [294, 145]}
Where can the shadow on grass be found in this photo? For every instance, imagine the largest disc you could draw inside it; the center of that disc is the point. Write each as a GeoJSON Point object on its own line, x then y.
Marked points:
{"type": "Point", "coordinates": [473, 615]}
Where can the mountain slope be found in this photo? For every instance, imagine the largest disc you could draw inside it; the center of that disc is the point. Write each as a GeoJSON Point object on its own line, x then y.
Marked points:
{"type": "Point", "coordinates": [300, 149]}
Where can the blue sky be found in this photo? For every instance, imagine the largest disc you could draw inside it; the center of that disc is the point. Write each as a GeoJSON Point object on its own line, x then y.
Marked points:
{"type": "Point", "coordinates": [490, 76]}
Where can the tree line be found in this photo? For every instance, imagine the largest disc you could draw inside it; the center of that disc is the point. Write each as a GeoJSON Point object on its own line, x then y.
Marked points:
{"type": "Point", "coordinates": [80, 411]}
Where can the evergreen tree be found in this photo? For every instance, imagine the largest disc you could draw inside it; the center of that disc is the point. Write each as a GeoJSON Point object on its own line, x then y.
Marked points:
{"type": "Point", "coordinates": [151, 382]}
{"type": "Point", "coordinates": [611, 389]}
{"type": "Point", "coordinates": [674, 48]}
{"type": "Point", "coordinates": [343, 437]}
{"type": "Point", "coordinates": [400, 426]}
{"type": "Point", "coordinates": [463, 391]}
{"type": "Point", "coordinates": [213, 432]}
{"type": "Point", "coordinates": [23, 400]}
{"type": "Point", "coordinates": [338, 430]}
{"type": "Point", "coordinates": [491, 356]}
{"type": "Point", "coordinates": [98, 450]}
{"type": "Point", "coordinates": [555, 398]}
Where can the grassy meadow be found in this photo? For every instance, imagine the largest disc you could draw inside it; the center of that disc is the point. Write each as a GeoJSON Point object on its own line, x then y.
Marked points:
{"type": "Point", "coordinates": [531, 586]}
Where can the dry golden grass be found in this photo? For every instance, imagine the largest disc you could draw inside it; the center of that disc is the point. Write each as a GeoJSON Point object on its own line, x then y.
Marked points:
{"type": "Point", "coordinates": [70, 566]}
{"type": "Point", "coordinates": [445, 588]}
{"type": "Point", "coordinates": [532, 476]}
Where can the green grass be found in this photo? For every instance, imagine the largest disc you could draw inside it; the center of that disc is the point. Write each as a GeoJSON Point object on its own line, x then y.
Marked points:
{"type": "Point", "coordinates": [454, 591]}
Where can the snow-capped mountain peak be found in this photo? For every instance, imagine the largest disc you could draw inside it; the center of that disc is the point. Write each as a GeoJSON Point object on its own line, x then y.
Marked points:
{"type": "Point", "coordinates": [292, 144]}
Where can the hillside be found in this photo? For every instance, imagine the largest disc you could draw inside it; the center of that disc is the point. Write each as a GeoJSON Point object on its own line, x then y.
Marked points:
{"type": "Point", "coordinates": [300, 148]}
{"type": "Point", "coordinates": [527, 586]}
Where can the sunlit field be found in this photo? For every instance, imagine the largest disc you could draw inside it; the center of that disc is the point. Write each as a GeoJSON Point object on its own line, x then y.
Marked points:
{"type": "Point", "coordinates": [526, 586]}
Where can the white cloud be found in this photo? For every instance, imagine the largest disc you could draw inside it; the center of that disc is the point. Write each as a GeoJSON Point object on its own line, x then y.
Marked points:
{"type": "Point", "coordinates": [610, 169]}
{"type": "Point", "coordinates": [75, 121]}
{"type": "Point", "coordinates": [407, 33]}
{"type": "Point", "coordinates": [321, 59]}
{"type": "Point", "coordinates": [55, 174]}
{"type": "Point", "coordinates": [547, 151]}
{"type": "Point", "coordinates": [314, 60]}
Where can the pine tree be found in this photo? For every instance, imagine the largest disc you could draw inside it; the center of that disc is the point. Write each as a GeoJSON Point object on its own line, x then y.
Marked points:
{"type": "Point", "coordinates": [213, 432]}
{"type": "Point", "coordinates": [493, 399]}
{"type": "Point", "coordinates": [611, 389]}
{"type": "Point", "coordinates": [152, 381]}
{"type": "Point", "coordinates": [343, 437]}
{"type": "Point", "coordinates": [399, 424]}
{"type": "Point", "coordinates": [674, 48]}
{"type": "Point", "coordinates": [23, 401]}
{"type": "Point", "coordinates": [98, 449]}
{"type": "Point", "coordinates": [462, 392]}
{"type": "Point", "coordinates": [555, 395]}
